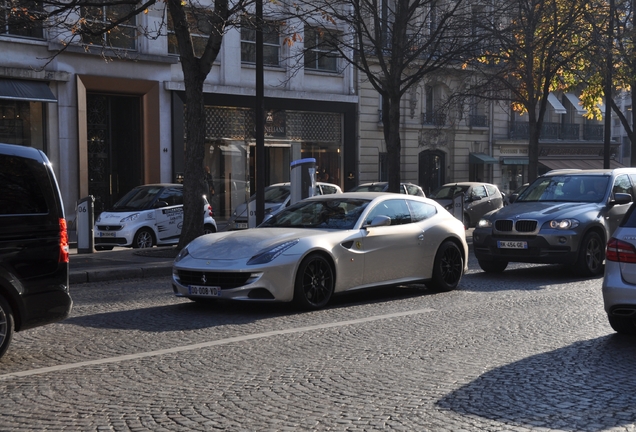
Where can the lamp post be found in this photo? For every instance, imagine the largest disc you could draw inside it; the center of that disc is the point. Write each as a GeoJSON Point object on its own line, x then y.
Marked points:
{"type": "Point", "coordinates": [259, 113]}
{"type": "Point", "coordinates": [607, 133]}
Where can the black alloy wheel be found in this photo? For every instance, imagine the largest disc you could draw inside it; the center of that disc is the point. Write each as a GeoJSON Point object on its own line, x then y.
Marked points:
{"type": "Point", "coordinates": [448, 267]}
{"type": "Point", "coordinates": [314, 282]}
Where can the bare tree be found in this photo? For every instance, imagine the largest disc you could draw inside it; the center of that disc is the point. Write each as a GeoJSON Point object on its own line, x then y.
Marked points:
{"type": "Point", "coordinates": [96, 24]}
{"type": "Point", "coordinates": [534, 47]}
{"type": "Point", "coordinates": [395, 44]}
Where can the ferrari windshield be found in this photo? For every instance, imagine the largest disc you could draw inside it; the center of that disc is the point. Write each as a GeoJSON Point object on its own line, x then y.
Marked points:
{"type": "Point", "coordinates": [569, 188]}
{"type": "Point", "coordinates": [330, 214]}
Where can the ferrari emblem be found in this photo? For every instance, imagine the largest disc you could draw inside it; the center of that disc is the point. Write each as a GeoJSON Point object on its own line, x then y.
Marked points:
{"type": "Point", "coordinates": [358, 245]}
{"type": "Point", "coordinates": [203, 279]}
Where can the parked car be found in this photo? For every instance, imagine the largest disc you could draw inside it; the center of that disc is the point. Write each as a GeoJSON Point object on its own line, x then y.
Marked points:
{"type": "Point", "coordinates": [277, 197]}
{"type": "Point", "coordinates": [34, 261]}
{"type": "Point", "coordinates": [405, 188]}
{"type": "Point", "coordinates": [146, 216]}
{"type": "Point", "coordinates": [563, 217]}
{"type": "Point", "coordinates": [325, 245]}
{"type": "Point", "coordinates": [479, 199]}
{"type": "Point", "coordinates": [619, 280]}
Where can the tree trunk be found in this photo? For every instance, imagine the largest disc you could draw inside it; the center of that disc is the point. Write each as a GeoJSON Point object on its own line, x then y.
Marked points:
{"type": "Point", "coordinates": [193, 182]}
{"type": "Point", "coordinates": [391, 122]}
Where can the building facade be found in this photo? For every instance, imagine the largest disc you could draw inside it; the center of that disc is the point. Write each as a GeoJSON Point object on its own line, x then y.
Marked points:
{"type": "Point", "coordinates": [444, 142]}
{"type": "Point", "coordinates": [110, 119]}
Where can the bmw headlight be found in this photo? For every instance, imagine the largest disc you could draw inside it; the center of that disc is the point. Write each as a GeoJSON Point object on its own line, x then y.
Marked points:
{"type": "Point", "coordinates": [182, 254]}
{"type": "Point", "coordinates": [130, 218]}
{"type": "Point", "coordinates": [270, 254]}
{"type": "Point", "coordinates": [564, 224]}
{"type": "Point", "coordinates": [484, 223]}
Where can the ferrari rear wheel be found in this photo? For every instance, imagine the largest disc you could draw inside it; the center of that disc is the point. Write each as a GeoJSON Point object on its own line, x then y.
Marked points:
{"type": "Point", "coordinates": [314, 283]}
{"type": "Point", "coordinates": [448, 267]}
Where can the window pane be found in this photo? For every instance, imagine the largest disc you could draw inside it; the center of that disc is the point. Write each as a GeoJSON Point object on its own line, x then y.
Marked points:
{"type": "Point", "coordinates": [327, 63]}
{"type": "Point", "coordinates": [248, 52]}
{"type": "Point", "coordinates": [270, 55]}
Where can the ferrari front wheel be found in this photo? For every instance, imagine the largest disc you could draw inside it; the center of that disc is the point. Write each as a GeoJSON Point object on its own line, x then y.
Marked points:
{"type": "Point", "coordinates": [314, 283]}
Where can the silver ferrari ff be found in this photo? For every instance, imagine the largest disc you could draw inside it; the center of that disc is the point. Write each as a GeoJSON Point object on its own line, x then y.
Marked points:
{"type": "Point", "coordinates": [326, 245]}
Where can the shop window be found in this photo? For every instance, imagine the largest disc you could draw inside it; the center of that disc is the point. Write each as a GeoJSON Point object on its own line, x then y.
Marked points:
{"type": "Point", "coordinates": [22, 123]}
{"type": "Point", "coordinates": [98, 18]}
{"type": "Point", "coordinates": [21, 18]}
{"type": "Point", "coordinates": [271, 43]}
{"type": "Point", "coordinates": [200, 29]}
{"type": "Point", "coordinates": [320, 50]}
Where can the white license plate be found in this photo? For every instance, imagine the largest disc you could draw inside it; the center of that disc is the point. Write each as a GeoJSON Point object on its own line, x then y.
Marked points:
{"type": "Point", "coordinates": [106, 234]}
{"type": "Point", "coordinates": [512, 244]}
{"type": "Point", "coordinates": [240, 226]}
{"type": "Point", "coordinates": [205, 291]}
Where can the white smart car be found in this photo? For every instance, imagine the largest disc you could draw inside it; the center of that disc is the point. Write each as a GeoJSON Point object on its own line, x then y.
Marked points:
{"type": "Point", "coordinates": [146, 216]}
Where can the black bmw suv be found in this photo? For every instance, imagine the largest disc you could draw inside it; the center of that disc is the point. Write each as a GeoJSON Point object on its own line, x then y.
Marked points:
{"type": "Point", "coordinates": [34, 260]}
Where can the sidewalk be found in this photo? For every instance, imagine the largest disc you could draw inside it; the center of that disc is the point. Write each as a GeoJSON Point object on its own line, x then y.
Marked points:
{"type": "Point", "coordinates": [120, 263]}
{"type": "Point", "coordinates": [127, 263]}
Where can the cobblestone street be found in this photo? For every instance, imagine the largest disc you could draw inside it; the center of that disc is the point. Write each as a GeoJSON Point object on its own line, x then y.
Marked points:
{"type": "Point", "coordinates": [529, 349]}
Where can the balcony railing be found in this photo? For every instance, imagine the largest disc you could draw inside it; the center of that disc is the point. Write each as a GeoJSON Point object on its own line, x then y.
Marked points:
{"type": "Point", "coordinates": [475, 120]}
{"type": "Point", "coordinates": [433, 118]}
{"type": "Point", "coordinates": [552, 131]}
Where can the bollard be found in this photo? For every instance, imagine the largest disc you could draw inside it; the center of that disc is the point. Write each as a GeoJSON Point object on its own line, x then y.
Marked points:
{"type": "Point", "coordinates": [84, 222]}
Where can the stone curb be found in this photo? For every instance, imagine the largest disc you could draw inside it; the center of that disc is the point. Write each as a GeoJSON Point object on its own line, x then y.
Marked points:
{"type": "Point", "coordinates": [120, 273]}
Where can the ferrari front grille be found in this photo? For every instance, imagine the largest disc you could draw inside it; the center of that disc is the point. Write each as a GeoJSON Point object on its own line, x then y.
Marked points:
{"type": "Point", "coordinates": [225, 280]}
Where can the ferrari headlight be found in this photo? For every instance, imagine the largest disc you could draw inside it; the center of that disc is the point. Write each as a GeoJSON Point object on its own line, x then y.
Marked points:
{"type": "Point", "coordinates": [130, 218]}
{"type": "Point", "coordinates": [184, 253]}
{"type": "Point", "coordinates": [484, 223]}
{"type": "Point", "coordinates": [564, 224]}
{"type": "Point", "coordinates": [270, 254]}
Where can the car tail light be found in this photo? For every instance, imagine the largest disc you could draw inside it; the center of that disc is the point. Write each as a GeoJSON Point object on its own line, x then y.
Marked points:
{"type": "Point", "coordinates": [210, 211]}
{"type": "Point", "coordinates": [63, 242]}
{"type": "Point", "coordinates": [620, 251]}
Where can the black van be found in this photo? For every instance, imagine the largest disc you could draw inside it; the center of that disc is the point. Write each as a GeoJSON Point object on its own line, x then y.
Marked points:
{"type": "Point", "coordinates": [34, 261]}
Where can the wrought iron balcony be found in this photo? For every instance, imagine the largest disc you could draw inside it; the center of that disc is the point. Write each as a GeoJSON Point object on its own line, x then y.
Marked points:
{"type": "Point", "coordinates": [433, 118]}
{"type": "Point", "coordinates": [554, 131]}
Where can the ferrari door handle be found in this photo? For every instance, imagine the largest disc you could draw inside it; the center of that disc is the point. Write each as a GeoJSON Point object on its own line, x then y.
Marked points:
{"type": "Point", "coordinates": [420, 237]}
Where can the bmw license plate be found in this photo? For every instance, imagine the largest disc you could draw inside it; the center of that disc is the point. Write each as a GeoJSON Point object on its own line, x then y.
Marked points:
{"type": "Point", "coordinates": [205, 291]}
{"type": "Point", "coordinates": [508, 244]}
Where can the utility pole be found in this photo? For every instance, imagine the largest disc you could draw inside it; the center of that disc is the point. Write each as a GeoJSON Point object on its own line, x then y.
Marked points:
{"type": "Point", "coordinates": [259, 114]}
{"type": "Point", "coordinates": [607, 133]}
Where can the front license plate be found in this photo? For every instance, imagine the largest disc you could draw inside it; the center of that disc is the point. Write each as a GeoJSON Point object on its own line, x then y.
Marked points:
{"type": "Point", "coordinates": [512, 245]}
{"type": "Point", "coordinates": [106, 234]}
{"type": "Point", "coordinates": [205, 291]}
{"type": "Point", "coordinates": [240, 226]}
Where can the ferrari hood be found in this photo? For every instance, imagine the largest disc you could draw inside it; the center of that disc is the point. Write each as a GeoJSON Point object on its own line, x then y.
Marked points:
{"type": "Point", "coordinates": [244, 244]}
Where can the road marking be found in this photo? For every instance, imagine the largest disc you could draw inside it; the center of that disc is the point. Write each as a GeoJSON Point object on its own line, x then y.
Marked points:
{"type": "Point", "coordinates": [201, 345]}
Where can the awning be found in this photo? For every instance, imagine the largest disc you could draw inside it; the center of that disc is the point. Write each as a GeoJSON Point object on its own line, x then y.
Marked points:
{"type": "Point", "coordinates": [34, 91]}
{"type": "Point", "coordinates": [515, 161]}
{"type": "Point", "coordinates": [558, 107]}
{"type": "Point", "coordinates": [481, 158]}
{"type": "Point", "coordinates": [576, 103]}
{"type": "Point", "coordinates": [554, 164]}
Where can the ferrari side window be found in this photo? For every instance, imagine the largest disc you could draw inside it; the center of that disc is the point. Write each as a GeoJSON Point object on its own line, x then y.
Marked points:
{"type": "Point", "coordinates": [396, 209]}
{"type": "Point", "coordinates": [421, 211]}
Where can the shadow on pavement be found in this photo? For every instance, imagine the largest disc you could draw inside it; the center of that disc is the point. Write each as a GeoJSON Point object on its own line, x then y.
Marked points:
{"type": "Point", "coordinates": [587, 386]}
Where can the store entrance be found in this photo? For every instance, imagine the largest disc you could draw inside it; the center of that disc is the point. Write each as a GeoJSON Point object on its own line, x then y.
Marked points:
{"type": "Point", "coordinates": [115, 163]}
